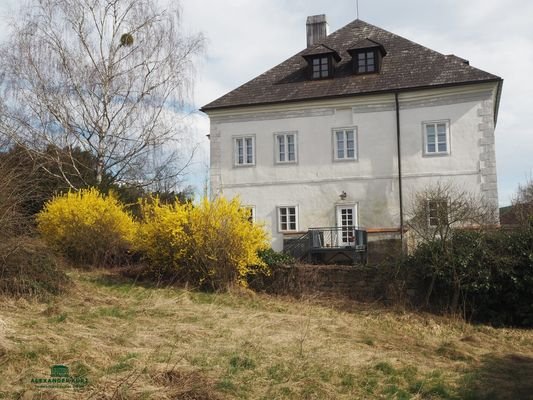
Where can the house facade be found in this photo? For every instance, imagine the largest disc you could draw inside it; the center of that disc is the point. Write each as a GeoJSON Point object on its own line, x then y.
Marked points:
{"type": "Point", "coordinates": [344, 132]}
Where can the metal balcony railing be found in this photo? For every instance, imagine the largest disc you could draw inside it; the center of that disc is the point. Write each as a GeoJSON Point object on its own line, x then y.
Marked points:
{"type": "Point", "coordinates": [338, 238]}
{"type": "Point", "coordinates": [323, 244]}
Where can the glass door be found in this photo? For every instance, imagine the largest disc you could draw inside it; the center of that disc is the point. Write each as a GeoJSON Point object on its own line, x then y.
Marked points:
{"type": "Point", "coordinates": [346, 223]}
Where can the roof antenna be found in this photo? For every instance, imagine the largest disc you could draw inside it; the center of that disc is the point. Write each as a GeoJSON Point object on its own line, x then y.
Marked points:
{"type": "Point", "coordinates": [357, 8]}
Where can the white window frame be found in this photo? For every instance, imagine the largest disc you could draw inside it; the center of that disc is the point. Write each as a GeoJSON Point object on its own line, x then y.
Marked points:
{"type": "Point", "coordinates": [437, 201]}
{"type": "Point", "coordinates": [338, 221]}
{"type": "Point", "coordinates": [345, 144]}
{"type": "Point", "coordinates": [245, 162]}
{"type": "Point", "coordinates": [277, 152]}
{"type": "Point", "coordinates": [280, 228]}
{"type": "Point", "coordinates": [251, 210]}
{"type": "Point", "coordinates": [355, 210]}
{"type": "Point", "coordinates": [435, 124]}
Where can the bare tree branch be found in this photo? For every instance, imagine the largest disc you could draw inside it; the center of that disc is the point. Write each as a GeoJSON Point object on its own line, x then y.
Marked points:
{"type": "Point", "coordinates": [72, 83]}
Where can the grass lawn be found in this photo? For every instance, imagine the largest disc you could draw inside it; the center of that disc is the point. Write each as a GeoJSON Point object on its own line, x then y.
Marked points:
{"type": "Point", "coordinates": [136, 342]}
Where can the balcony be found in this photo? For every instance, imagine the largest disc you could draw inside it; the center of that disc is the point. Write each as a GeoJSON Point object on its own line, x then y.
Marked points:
{"type": "Point", "coordinates": [339, 245]}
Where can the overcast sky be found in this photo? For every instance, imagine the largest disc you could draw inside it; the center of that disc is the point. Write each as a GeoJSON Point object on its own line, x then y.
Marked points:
{"type": "Point", "coordinates": [247, 37]}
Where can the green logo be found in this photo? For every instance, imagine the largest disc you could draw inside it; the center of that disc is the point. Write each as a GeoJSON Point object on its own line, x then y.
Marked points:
{"type": "Point", "coordinates": [59, 370]}
{"type": "Point", "coordinates": [60, 379]}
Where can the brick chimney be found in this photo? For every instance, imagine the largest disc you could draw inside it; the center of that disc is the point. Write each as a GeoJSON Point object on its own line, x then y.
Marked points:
{"type": "Point", "coordinates": [317, 29]}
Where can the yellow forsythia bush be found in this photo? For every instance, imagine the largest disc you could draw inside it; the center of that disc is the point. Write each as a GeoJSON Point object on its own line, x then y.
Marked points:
{"type": "Point", "coordinates": [161, 238]}
{"type": "Point", "coordinates": [88, 227]}
{"type": "Point", "coordinates": [210, 244]}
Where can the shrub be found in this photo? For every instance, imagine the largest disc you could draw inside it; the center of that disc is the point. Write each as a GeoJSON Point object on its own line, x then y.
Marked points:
{"type": "Point", "coordinates": [87, 227]}
{"type": "Point", "coordinates": [491, 270]}
{"type": "Point", "coordinates": [266, 279]}
{"type": "Point", "coordinates": [507, 298]}
{"type": "Point", "coordinates": [273, 258]}
{"type": "Point", "coordinates": [28, 268]}
{"type": "Point", "coordinates": [161, 237]}
{"type": "Point", "coordinates": [211, 244]}
{"type": "Point", "coordinates": [15, 190]}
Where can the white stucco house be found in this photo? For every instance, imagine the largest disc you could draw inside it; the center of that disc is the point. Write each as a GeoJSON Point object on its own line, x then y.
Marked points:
{"type": "Point", "coordinates": [341, 134]}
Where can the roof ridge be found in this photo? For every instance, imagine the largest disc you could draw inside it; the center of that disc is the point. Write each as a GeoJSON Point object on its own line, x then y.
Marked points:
{"type": "Point", "coordinates": [407, 65]}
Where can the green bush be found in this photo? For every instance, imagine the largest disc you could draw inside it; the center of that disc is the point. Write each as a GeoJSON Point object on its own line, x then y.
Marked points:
{"type": "Point", "coordinates": [490, 272]}
{"type": "Point", "coordinates": [273, 258]}
{"type": "Point", "coordinates": [267, 280]}
{"type": "Point", "coordinates": [507, 298]}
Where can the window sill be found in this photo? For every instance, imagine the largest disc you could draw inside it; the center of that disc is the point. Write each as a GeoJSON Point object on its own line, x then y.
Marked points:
{"type": "Point", "coordinates": [243, 165]}
{"type": "Point", "coordinates": [436, 154]}
{"type": "Point", "coordinates": [286, 163]}
{"type": "Point", "coordinates": [345, 160]}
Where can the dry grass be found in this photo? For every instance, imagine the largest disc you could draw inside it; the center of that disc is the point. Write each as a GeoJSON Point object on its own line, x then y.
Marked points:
{"type": "Point", "coordinates": [135, 342]}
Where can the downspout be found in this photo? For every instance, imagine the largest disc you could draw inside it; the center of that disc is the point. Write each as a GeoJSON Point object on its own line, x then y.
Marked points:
{"type": "Point", "coordinates": [399, 166]}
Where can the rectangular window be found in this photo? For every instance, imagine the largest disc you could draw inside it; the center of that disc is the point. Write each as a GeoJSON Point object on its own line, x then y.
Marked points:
{"type": "Point", "coordinates": [436, 137]}
{"type": "Point", "coordinates": [286, 147]}
{"type": "Point", "coordinates": [345, 144]}
{"type": "Point", "coordinates": [437, 212]}
{"type": "Point", "coordinates": [250, 213]}
{"type": "Point", "coordinates": [244, 150]}
{"type": "Point", "coordinates": [288, 219]}
{"type": "Point", "coordinates": [366, 62]}
{"type": "Point", "coordinates": [320, 66]}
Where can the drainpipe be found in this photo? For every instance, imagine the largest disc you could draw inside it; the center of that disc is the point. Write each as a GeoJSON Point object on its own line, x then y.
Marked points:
{"type": "Point", "coordinates": [399, 166]}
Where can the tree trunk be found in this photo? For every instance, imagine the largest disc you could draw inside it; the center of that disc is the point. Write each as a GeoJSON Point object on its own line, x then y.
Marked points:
{"type": "Point", "coordinates": [99, 171]}
{"type": "Point", "coordinates": [455, 299]}
{"type": "Point", "coordinates": [430, 289]}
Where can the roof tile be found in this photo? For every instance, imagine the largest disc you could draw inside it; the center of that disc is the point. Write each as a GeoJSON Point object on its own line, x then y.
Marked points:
{"type": "Point", "coordinates": [407, 65]}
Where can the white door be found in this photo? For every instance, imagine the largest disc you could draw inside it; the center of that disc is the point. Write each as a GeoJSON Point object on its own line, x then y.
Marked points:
{"type": "Point", "coordinates": [346, 223]}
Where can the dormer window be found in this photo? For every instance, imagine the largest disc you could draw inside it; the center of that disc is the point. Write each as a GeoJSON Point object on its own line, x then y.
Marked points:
{"type": "Point", "coordinates": [321, 67]}
{"type": "Point", "coordinates": [367, 56]}
{"type": "Point", "coordinates": [366, 62]}
{"type": "Point", "coordinates": [321, 61]}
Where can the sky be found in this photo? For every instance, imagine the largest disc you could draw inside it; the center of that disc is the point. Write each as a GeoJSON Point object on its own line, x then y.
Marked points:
{"type": "Point", "coordinates": [247, 37]}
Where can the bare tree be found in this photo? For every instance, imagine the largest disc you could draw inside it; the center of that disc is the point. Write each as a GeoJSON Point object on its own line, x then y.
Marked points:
{"type": "Point", "coordinates": [436, 213]}
{"type": "Point", "coordinates": [13, 219]}
{"type": "Point", "coordinates": [522, 204]}
{"type": "Point", "coordinates": [109, 77]}
{"type": "Point", "coordinates": [437, 210]}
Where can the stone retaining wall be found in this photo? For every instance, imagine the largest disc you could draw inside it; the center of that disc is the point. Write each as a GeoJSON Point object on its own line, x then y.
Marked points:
{"type": "Point", "coordinates": [376, 281]}
{"type": "Point", "coordinates": [360, 283]}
